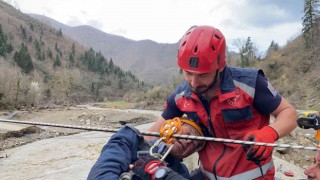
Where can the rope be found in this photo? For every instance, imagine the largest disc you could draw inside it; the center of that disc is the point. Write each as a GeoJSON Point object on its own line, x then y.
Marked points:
{"type": "Point", "coordinates": [147, 133]}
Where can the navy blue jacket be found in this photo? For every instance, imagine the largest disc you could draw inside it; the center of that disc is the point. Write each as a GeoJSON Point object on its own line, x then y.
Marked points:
{"type": "Point", "coordinates": [120, 151]}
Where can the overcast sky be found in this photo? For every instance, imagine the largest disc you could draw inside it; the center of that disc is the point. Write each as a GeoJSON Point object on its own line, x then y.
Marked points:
{"type": "Point", "coordinates": [165, 21]}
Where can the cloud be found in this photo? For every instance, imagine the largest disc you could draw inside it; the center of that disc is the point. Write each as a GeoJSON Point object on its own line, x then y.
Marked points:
{"type": "Point", "coordinates": [262, 20]}
{"type": "Point", "coordinates": [293, 7]}
{"type": "Point", "coordinates": [74, 21]}
{"type": "Point", "coordinates": [120, 31]}
{"type": "Point", "coordinates": [262, 13]}
{"type": "Point", "coordinates": [95, 23]}
{"type": "Point", "coordinates": [165, 21]}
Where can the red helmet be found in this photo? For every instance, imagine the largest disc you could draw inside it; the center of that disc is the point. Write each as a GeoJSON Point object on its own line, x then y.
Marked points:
{"type": "Point", "coordinates": [202, 50]}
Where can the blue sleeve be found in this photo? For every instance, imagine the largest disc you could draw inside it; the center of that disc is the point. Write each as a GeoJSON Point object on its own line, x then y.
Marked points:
{"type": "Point", "coordinates": [116, 155]}
{"type": "Point", "coordinates": [266, 98]}
{"type": "Point", "coordinates": [171, 110]}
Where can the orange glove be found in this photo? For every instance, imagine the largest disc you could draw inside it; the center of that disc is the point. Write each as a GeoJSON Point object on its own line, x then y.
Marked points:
{"type": "Point", "coordinates": [260, 153]}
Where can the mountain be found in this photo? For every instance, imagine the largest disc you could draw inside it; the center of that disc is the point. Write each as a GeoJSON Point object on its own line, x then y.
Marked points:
{"type": "Point", "coordinates": [293, 70]}
{"type": "Point", "coordinates": [41, 65]}
{"type": "Point", "coordinates": [153, 62]}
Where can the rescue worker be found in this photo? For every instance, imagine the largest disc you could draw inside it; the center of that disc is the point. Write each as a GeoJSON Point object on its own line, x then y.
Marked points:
{"type": "Point", "coordinates": [127, 146]}
{"type": "Point", "coordinates": [306, 120]}
{"type": "Point", "coordinates": [227, 102]}
{"type": "Point", "coordinates": [313, 171]}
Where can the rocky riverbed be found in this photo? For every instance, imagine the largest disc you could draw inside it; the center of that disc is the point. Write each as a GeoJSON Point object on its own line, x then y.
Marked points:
{"type": "Point", "coordinates": [20, 145]}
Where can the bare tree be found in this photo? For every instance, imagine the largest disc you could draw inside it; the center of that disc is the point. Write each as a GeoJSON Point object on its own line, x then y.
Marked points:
{"type": "Point", "coordinates": [14, 85]}
{"type": "Point", "coordinates": [64, 84]}
{"type": "Point", "coordinates": [35, 93]}
{"type": "Point", "coordinates": [247, 51]}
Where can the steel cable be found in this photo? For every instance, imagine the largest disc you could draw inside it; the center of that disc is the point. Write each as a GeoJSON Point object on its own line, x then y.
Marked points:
{"type": "Point", "coordinates": [147, 133]}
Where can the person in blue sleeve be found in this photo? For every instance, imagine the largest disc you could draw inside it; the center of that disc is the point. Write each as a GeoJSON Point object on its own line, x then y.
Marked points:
{"type": "Point", "coordinates": [124, 146]}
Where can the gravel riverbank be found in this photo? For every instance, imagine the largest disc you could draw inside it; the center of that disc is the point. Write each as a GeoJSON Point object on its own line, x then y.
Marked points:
{"type": "Point", "coordinates": [57, 153]}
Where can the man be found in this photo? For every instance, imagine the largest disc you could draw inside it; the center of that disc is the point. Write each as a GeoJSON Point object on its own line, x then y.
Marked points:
{"type": "Point", "coordinates": [228, 102]}
{"type": "Point", "coordinates": [313, 171]}
{"type": "Point", "coordinates": [124, 146]}
{"type": "Point", "coordinates": [306, 120]}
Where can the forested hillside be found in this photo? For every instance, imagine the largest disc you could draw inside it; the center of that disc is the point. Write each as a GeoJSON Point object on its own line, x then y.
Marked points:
{"type": "Point", "coordinates": [152, 62]}
{"type": "Point", "coordinates": [295, 73]}
{"type": "Point", "coordinates": [293, 69]}
{"type": "Point", "coordinates": [39, 65]}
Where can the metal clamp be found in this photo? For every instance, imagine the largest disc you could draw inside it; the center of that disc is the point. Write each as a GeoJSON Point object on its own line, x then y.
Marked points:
{"type": "Point", "coordinates": [157, 155]}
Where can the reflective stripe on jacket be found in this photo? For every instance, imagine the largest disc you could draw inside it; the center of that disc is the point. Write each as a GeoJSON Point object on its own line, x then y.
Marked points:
{"type": "Point", "coordinates": [231, 115]}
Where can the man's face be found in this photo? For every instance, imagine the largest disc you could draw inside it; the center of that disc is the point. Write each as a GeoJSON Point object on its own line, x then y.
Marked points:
{"type": "Point", "coordinates": [313, 171]}
{"type": "Point", "coordinates": [199, 82]}
{"type": "Point", "coordinates": [184, 147]}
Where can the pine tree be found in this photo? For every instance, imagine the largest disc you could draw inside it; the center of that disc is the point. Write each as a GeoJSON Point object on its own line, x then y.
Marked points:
{"type": "Point", "coordinates": [111, 66]}
{"type": "Point", "coordinates": [23, 59]}
{"type": "Point", "coordinates": [49, 53]}
{"type": "Point", "coordinates": [38, 50]}
{"type": "Point", "coordinates": [247, 52]}
{"type": "Point", "coordinates": [71, 60]}
{"type": "Point", "coordinates": [59, 33]}
{"type": "Point", "coordinates": [311, 14]}
{"type": "Point", "coordinates": [23, 32]}
{"type": "Point", "coordinates": [4, 46]}
{"type": "Point", "coordinates": [92, 87]}
{"type": "Point", "coordinates": [57, 62]}
{"type": "Point", "coordinates": [73, 49]}
{"type": "Point", "coordinates": [272, 48]}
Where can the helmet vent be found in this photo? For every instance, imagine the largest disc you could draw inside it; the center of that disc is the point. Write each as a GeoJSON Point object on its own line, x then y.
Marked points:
{"type": "Point", "coordinates": [193, 62]}
{"type": "Point", "coordinates": [218, 37]}
{"type": "Point", "coordinates": [214, 49]}
{"type": "Point", "coordinates": [184, 43]}
{"type": "Point", "coordinates": [196, 49]}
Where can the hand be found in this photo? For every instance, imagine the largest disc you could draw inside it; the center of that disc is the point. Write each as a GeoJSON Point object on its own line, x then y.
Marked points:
{"type": "Point", "coordinates": [146, 166]}
{"type": "Point", "coordinates": [183, 148]}
{"type": "Point", "coordinates": [260, 153]}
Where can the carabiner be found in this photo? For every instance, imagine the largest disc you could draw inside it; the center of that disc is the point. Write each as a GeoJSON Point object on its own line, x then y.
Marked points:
{"type": "Point", "coordinates": [157, 155]}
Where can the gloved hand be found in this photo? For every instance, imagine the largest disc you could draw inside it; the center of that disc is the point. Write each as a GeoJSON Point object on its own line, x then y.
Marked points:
{"type": "Point", "coordinates": [260, 153]}
{"type": "Point", "coordinates": [146, 166]}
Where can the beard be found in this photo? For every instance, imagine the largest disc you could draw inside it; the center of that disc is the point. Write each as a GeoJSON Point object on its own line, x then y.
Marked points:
{"type": "Point", "coordinates": [200, 89]}
{"type": "Point", "coordinates": [204, 88]}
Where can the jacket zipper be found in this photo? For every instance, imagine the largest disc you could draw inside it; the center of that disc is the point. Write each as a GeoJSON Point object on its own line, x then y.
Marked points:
{"type": "Point", "coordinates": [214, 168]}
{"type": "Point", "coordinates": [211, 130]}
{"type": "Point", "coordinates": [216, 163]}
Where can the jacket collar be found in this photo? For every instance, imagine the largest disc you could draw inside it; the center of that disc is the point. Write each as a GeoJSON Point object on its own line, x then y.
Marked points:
{"type": "Point", "coordinates": [227, 87]}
